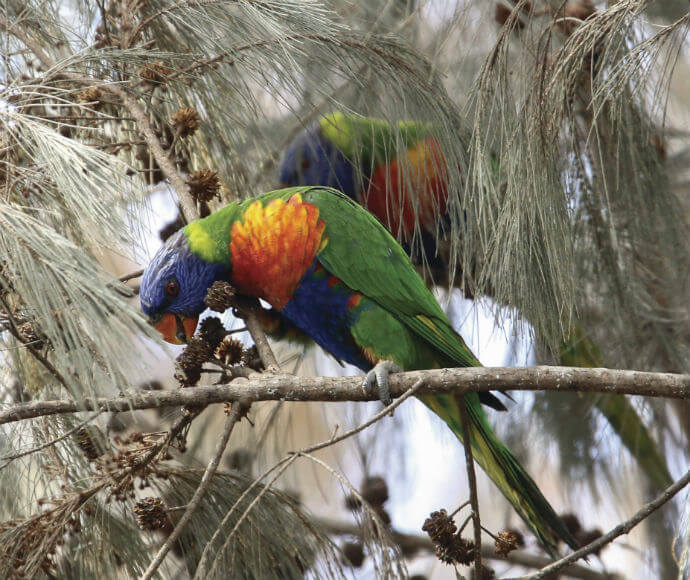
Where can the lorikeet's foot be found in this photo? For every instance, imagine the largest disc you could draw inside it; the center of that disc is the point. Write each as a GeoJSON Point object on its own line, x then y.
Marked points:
{"type": "Point", "coordinates": [379, 376]}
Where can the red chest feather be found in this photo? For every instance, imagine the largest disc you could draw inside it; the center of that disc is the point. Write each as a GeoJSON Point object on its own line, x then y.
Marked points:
{"type": "Point", "coordinates": [272, 247]}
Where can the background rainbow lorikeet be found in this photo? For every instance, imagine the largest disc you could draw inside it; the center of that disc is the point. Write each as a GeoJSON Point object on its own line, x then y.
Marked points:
{"type": "Point", "coordinates": [398, 173]}
{"type": "Point", "coordinates": [333, 271]}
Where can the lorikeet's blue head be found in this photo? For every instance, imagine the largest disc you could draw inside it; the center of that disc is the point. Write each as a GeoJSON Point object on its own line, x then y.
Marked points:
{"type": "Point", "coordinates": [311, 159]}
{"type": "Point", "coordinates": [173, 288]}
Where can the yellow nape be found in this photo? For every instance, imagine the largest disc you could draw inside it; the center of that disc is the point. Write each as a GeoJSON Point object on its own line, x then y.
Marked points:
{"type": "Point", "coordinates": [201, 243]}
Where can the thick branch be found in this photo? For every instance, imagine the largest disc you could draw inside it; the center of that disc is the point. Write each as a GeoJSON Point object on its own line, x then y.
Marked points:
{"type": "Point", "coordinates": [329, 389]}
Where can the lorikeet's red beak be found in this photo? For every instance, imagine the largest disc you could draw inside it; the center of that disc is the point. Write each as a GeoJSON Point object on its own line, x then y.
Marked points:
{"type": "Point", "coordinates": [176, 329]}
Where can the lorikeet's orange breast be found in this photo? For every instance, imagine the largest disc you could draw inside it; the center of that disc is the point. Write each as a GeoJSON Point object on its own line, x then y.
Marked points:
{"type": "Point", "coordinates": [416, 188]}
{"type": "Point", "coordinates": [273, 246]}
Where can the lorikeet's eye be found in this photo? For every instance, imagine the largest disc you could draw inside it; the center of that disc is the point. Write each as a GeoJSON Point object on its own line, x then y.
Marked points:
{"type": "Point", "coordinates": [305, 163]}
{"type": "Point", "coordinates": [172, 288]}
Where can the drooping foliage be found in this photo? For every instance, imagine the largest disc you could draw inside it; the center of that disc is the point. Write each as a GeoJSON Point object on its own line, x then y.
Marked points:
{"type": "Point", "coordinates": [559, 128]}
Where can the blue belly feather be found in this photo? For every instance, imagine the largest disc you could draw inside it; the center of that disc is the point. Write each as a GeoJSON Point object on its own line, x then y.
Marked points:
{"type": "Point", "coordinates": [321, 311]}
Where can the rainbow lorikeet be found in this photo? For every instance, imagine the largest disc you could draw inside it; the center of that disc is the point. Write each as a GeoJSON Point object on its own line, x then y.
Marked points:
{"type": "Point", "coordinates": [398, 174]}
{"type": "Point", "coordinates": [332, 270]}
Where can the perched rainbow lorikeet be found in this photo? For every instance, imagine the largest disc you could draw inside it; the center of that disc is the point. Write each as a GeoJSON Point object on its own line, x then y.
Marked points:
{"type": "Point", "coordinates": [398, 174]}
{"type": "Point", "coordinates": [400, 179]}
{"type": "Point", "coordinates": [333, 271]}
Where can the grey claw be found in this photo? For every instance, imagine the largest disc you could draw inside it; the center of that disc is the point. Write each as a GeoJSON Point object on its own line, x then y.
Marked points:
{"type": "Point", "coordinates": [379, 376]}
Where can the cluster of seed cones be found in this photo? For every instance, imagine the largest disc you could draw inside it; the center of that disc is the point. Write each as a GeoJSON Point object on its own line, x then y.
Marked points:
{"type": "Point", "coordinates": [213, 342]}
{"type": "Point", "coordinates": [451, 547]}
{"type": "Point", "coordinates": [151, 513]}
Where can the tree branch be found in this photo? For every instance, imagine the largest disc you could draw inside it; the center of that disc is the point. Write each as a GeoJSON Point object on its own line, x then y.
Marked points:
{"type": "Point", "coordinates": [472, 481]}
{"type": "Point", "coordinates": [623, 528]}
{"type": "Point", "coordinates": [330, 389]}
{"type": "Point", "coordinates": [411, 543]}
{"type": "Point", "coordinates": [238, 411]}
{"type": "Point", "coordinates": [162, 158]}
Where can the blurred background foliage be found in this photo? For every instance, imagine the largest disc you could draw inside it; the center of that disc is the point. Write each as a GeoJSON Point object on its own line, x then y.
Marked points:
{"type": "Point", "coordinates": [564, 130]}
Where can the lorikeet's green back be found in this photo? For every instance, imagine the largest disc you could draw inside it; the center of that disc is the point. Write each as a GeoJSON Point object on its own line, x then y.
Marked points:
{"type": "Point", "coordinates": [335, 272]}
{"type": "Point", "coordinates": [371, 141]}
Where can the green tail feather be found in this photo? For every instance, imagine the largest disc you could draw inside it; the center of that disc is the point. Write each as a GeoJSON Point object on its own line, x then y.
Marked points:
{"type": "Point", "coordinates": [504, 470]}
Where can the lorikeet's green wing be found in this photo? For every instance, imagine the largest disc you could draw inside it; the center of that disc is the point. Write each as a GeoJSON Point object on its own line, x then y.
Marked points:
{"type": "Point", "coordinates": [364, 256]}
{"type": "Point", "coordinates": [362, 253]}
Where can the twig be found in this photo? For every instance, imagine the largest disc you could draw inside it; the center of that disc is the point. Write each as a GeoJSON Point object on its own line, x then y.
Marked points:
{"type": "Point", "coordinates": [622, 528]}
{"type": "Point", "coordinates": [411, 543]}
{"type": "Point", "coordinates": [10, 458]}
{"type": "Point", "coordinates": [238, 411]}
{"type": "Point", "coordinates": [466, 521]}
{"type": "Point", "coordinates": [382, 413]}
{"type": "Point", "coordinates": [330, 389]}
{"type": "Point", "coordinates": [162, 158]}
{"type": "Point", "coordinates": [14, 330]}
{"type": "Point", "coordinates": [131, 275]}
{"type": "Point", "coordinates": [462, 505]}
{"type": "Point", "coordinates": [472, 481]}
{"type": "Point", "coordinates": [248, 312]}
{"type": "Point", "coordinates": [281, 466]}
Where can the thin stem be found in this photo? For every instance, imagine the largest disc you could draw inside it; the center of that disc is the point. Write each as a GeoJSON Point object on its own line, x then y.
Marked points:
{"type": "Point", "coordinates": [239, 409]}
{"type": "Point", "coordinates": [248, 311]}
{"type": "Point", "coordinates": [382, 413]}
{"type": "Point", "coordinates": [14, 330]}
{"type": "Point", "coordinates": [623, 528]}
{"type": "Point", "coordinates": [472, 480]}
{"type": "Point", "coordinates": [462, 505]}
{"type": "Point", "coordinates": [10, 458]}
{"type": "Point", "coordinates": [466, 521]}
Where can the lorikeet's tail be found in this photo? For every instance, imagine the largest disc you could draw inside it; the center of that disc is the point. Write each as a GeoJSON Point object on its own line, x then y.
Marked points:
{"type": "Point", "coordinates": [503, 468]}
